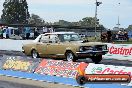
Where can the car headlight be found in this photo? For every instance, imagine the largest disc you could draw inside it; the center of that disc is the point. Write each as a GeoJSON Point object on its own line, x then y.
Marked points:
{"type": "Point", "coordinates": [104, 47]}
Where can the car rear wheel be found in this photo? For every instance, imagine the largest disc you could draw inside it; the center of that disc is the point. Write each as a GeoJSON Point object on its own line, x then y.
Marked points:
{"type": "Point", "coordinates": [35, 54]}
{"type": "Point", "coordinates": [97, 59]}
{"type": "Point", "coordinates": [70, 56]}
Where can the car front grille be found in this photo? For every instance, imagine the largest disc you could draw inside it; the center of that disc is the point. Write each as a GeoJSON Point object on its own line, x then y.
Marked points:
{"type": "Point", "coordinates": [100, 47]}
{"type": "Point", "coordinates": [85, 48]}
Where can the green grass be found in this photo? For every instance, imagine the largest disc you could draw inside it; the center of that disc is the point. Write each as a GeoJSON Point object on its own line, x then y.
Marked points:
{"type": "Point", "coordinates": [124, 42]}
{"type": "Point", "coordinates": [92, 39]}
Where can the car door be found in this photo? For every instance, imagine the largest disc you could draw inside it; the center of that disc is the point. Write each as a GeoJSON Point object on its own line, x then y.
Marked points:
{"type": "Point", "coordinates": [42, 45]}
{"type": "Point", "coordinates": [55, 47]}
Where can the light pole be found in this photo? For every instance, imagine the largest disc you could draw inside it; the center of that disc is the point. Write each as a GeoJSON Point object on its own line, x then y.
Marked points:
{"type": "Point", "coordinates": [97, 4]}
{"type": "Point", "coordinates": [118, 24]}
{"type": "Point", "coordinates": [95, 20]}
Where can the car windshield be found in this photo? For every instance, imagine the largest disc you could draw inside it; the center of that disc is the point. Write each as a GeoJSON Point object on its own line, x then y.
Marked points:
{"type": "Point", "coordinates": [69, 37]}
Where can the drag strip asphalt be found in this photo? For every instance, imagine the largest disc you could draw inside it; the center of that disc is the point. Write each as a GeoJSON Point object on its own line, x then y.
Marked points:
{"type": "Point", "coordinates": [10, 82]}
{"type": "Point", "coordinates": [104, 61]}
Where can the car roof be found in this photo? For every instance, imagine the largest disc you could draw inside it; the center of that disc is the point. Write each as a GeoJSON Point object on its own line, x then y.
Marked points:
{"type": "Point", "coordinates": [60, 33]}
{"type": "Point", "coordinates": [53, 33]}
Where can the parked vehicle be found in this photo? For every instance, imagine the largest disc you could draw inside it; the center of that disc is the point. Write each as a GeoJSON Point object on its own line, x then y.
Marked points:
{"type": "Point", "coordinates": [65, 45]}
{"type": "Point", "coordinates": [13, 33]}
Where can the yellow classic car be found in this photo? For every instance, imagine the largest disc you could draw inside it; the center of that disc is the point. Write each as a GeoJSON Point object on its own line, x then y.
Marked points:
{"type": "Point", "coordinates": [65, 45]}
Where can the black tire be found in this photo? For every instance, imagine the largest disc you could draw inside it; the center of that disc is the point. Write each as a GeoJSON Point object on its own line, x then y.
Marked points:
{"type": "Point", "coordinates": [34, 54]}
{"type": "Point", "coordinates": [69, 56]}
{"type": "Point", "coordinates": [97, 59]}
{"type": "Point", "coordinates": [81, 80]}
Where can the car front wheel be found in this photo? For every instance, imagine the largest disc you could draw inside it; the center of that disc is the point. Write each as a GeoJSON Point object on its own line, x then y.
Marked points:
{"type": "Point", "coordinates": [70, 56]}
{"type": "Point", "coordinates": [34, 54]}
{"type": "Point", "coordinates": [97, 59]}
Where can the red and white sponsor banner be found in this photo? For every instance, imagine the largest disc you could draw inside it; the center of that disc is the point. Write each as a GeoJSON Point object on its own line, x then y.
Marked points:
{"type": "Point", "coordinates": [119, 51]}
{"type": "Point", "coordinates": [108, 69]}
{"type": "Point", "coordinates": [60, 68]}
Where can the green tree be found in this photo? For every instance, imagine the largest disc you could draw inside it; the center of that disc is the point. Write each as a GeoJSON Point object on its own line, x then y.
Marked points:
{"type": "Point", "coordinates": [15, 12]}
{"type": "Point", "coordinates": [35, 19]}
{"type": "Point", "coordinates": [87, 21]}
{"type": "Point", "coordinates": [63, 23]}
{"type": "Point", "coordinates": [129, 27]}
{"type": "Point", "coordinates": [76, 24]}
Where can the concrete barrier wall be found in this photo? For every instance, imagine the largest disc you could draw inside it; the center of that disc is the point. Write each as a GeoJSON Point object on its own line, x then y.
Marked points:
{"type": "Point", "coordinates": [14, 67]}
{"type": "Point", "coordinates": [45, 67]}
{"type": "Point", "coordinates": [15, 45]}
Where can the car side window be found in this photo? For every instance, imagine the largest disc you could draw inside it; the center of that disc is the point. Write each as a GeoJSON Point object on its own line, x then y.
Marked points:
{"type": "Point", "coordinates": [44, 39]}
{"type": "Point", "coordinates": [53, 39]}
{"type": "Point", "coordinates": [66, 37]}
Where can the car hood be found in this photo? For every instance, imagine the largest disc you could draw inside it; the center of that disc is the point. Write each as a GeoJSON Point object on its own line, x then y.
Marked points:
{"type": "Point", "coordinates": [81, 43]}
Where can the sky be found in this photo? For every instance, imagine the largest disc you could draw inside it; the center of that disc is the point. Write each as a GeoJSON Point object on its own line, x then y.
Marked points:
{"type": "Point", "coordinates": [75, 10]}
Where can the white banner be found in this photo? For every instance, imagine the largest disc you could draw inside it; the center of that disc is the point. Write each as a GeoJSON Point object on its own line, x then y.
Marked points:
{"type": "Point", "coordinates": [119, 51]}
{"type": "Point", "coordinates": [108, 69]}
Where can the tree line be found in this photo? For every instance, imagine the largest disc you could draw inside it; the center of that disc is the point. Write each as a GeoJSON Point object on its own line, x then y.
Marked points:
{"type": "Point", "coordinates": [16, 12]}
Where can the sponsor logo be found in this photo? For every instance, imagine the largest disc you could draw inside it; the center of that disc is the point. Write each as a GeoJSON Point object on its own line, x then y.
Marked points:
{"type": "Point", "coordinates": [100, 70]}
{"type": "Point", "coordinates": [57, 72]}
{"type": "Point", "coordinates": [16, 65]}
{"type": "Point", "coordinates": [108, 78]}
{"type": "Point", "coordinates": [62, 64]}
{"type": "Point", "coordinates": [120, 51]}
{"type": "Point", "coordinates": [58, 68]}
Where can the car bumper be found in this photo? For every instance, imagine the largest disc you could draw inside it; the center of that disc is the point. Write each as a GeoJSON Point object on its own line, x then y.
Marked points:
{"type": "Point", "coordinates": [91, 53]}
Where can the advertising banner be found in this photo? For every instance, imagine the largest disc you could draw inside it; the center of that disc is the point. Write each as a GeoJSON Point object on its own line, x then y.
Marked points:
{"type": "Point", "coordinates": [108, 69]}
{"type": "Point", "coordinates": [60, 68]}
{"type": "Point", "coordinates": [119, 51]}
{"type": "Point", "coordinates": [19, 63]}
